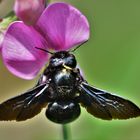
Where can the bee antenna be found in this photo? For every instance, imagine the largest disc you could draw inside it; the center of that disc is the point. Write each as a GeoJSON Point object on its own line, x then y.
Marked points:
{"type": "Point", "coordinates": [77, 47]}
{"type": "Point", "coordinates": [44, 50]}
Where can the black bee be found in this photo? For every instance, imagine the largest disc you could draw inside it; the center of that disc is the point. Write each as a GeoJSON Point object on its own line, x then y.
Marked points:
{"type": "Point", "coordinates": [61, 88]}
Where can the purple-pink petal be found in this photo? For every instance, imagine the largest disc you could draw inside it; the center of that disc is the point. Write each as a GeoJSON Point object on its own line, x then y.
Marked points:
{"type": "Point", "coordinates": [29, 10]}
{"type": "Point", "coordinates": [63, 26]}
{"type": "Point", "coordinates": [19, 53]}
{"type": "Point", "coordinates": [1, 40]}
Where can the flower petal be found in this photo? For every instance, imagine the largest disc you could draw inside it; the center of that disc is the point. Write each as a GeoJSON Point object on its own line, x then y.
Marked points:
{"type": "Point", "coordinates": [29, 10]}
{"type": "Point", "coordinates": [63, 26]}
{"type": "Point", "coordinates": [19, 53]}
{"type": "Point", "coordinates": [1, 40]}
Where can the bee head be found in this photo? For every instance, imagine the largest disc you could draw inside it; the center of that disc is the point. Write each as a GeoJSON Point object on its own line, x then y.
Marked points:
{"type": "Point", "coordinates": [63, 58]}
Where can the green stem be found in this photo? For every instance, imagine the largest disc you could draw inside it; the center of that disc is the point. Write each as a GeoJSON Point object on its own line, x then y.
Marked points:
{"type": "Point", "coordinates": [66, 132]}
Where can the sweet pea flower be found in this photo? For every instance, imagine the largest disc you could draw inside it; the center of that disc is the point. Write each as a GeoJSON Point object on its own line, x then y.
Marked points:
{"type": "Point", "coordinates": [1, 40]}
{"type": "Point", "coordinates": [29, 10]}
{"type": "Point", "coordinates": [60, 27]}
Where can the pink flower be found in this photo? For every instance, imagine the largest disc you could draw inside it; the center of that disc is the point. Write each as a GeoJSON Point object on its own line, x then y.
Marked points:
{"type": "Point", "coordinates": [1, 40]}
{"type": "Point", "coordinates": [60, 27]}
{"type": "Point", "coordinates": [29, 10]}
{"type": "Point", "coordinates": [2, 33]}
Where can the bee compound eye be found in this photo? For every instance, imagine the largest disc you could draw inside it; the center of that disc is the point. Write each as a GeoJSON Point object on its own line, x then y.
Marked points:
{"type": "Point", "coordinates": [63, 111]}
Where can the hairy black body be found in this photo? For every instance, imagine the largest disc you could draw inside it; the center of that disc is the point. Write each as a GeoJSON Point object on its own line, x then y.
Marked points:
{"type": "Point", "coordinates": [63, 79]}
{"type": "Point", "coordinates": [61, 88]}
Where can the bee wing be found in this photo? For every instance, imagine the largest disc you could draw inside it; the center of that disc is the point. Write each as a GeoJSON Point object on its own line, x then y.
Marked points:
{"type": "Point", "coordinates": [106, 106]}
{"type": "Point", "coordinates": [24, 106]}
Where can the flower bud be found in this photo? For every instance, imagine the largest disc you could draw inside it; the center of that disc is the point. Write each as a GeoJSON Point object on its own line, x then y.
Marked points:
{"type": "Point", "coordinates": [29, 10]}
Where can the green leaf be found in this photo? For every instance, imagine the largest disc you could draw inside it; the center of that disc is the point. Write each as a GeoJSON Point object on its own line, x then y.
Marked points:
{"type": "Point", "coordinates": [7, 20]}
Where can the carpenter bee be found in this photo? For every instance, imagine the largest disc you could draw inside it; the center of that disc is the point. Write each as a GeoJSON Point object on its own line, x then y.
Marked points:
{"type": "Point", "coordinates": [61, 89]}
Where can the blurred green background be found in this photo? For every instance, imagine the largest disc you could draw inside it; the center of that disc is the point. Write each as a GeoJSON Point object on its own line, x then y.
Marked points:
{"type": "Point", "coordinates": [110, 60]}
